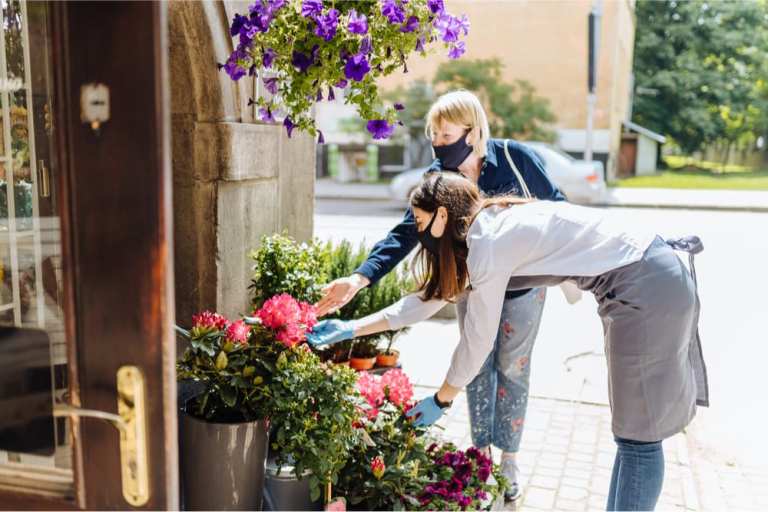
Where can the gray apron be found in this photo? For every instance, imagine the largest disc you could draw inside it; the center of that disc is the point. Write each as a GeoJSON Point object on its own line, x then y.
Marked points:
{"type": "Point", "coordinates": [650, 313]}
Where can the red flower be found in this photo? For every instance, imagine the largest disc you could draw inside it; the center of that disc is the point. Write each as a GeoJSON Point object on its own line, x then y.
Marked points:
{"type": "Point", "coordinates": [290, 318]}
{"type": "Point", "coordinates": [378, 467]}
{"type": "Point", "coordinates": [207, 319]}
{"type": "Point", "coordinates": [238, 332]}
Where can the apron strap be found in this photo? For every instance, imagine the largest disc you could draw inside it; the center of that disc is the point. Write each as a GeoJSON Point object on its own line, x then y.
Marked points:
{"type": "Point", "coordinates": [693, 246]}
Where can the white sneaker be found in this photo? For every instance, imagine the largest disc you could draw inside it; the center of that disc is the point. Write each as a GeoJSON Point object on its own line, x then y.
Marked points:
{"type": "Point", "coordinates": [511, 472]}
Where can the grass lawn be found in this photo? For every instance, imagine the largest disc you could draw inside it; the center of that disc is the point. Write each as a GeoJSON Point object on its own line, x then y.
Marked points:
{"type": "Point", "coordinates": [692, 174]}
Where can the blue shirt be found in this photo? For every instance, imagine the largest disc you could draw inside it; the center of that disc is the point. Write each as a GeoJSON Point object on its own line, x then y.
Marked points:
{"type": "Point", "coordinates": [496, 178]}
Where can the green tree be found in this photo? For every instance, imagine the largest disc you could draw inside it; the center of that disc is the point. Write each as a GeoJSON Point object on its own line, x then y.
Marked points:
{"type": "Point", "coordinates": [417, 98]}
{"type": "Point", "coordinates": [514, 109]}
{"type": "Point", "coordinates": [699, 66]}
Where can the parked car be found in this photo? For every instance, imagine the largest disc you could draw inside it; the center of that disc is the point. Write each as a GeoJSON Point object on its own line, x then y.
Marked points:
{"type": "Point", "coordinates": [580, 181]}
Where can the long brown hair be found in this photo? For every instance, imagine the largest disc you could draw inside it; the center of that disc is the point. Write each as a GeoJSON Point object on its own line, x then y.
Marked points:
{"type": "Point", "coordinates": [445, 275]}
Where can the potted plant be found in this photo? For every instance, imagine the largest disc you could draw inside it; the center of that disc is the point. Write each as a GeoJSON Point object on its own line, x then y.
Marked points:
{"type": "Point", "coordinates": [364, 352]}
{"type": "Point", "coordinates": [226, 409]}
{"type": "Point", "coordinates": [384, 468]}
{"type": "Point", "coordinates": [305, 49]}
{"type": "Point", "coordinates": [388, 357]}
{"type": "Point", "coordinates": [224, 423]}
{"type": "Point", "coordinates": [459, 480]}
{"type": "Point", "coordinates": [313, 406]}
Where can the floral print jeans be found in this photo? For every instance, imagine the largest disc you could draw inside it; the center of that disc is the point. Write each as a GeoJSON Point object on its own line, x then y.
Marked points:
{"type": "Point", "coordinates": [498, 396]}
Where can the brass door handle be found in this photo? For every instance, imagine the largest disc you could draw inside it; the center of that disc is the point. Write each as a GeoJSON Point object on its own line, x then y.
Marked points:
{"type": "Point", "coordinates": [43, 179]}
{"type": "Point", "coordinates": [130, 421]}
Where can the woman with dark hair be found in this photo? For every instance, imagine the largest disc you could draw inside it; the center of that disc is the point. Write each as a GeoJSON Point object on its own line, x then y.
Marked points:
{"type": "Point", "coordinates": [457, 127]}
{"type": "Point", "coordinates": [647, 302]}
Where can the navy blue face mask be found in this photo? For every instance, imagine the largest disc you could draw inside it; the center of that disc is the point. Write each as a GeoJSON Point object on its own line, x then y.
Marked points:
{"type": "Point", "coordinates": [453, 155]}
{"type": "Point", "coordinates": [430, 242]}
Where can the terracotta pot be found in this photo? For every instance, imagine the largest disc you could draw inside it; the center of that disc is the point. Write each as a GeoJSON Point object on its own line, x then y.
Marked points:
{"type": "Point", "coordinates": [387, 360]}
{"type": "Point", "coordinates": [362, 363]}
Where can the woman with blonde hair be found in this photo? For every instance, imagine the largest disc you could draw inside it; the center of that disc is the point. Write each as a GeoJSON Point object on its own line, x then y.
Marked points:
{"type": "Point", "coordinates": [646, 297]}
{"type": "Point", "coordinates": [498, 396]}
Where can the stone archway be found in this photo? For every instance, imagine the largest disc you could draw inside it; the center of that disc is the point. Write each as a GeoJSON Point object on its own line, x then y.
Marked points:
{"type": "Point", "coordinates": [234, 179]}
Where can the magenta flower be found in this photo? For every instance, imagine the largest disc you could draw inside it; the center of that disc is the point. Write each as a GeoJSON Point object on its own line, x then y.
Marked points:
{"type": "Point", "coordinates": [356, 67]}
{"type": "Point", "coordinates": [358, 23]}
{"type": "Point", "coordinates": [457, 50]}
{"type": "Point", "coordinates": [326, 24]}
{"type": "Point", "coordinates": [380, 128]}
{"type": "Point", "coordinates": [271, 84]}
{"type": "Point", "coordinates": [411, 25]}
{"type": "Point", "coordinates": [311, 8]}
{"type": "Point", "coordinates": [393, 11]}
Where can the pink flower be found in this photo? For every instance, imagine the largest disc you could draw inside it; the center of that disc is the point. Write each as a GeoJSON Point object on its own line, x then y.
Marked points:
{"type": "Point", "coordinates": [291, 335]}
{"type": "Point", "coordinates": [370, 387]}
{"type": "Point", "coordinates": [279, 311]}
{"type": "Point", "coordinates": [238, 331]}
{"type": "Point", "coordinates": [337, 505]}
{"type": "Point", "coordinates": [307, 315]}
{"type": "Point", "coordinates": [207, 319]}
{"type": "Point", "coordinates": [378, 467]}
{"type": "Point", "coordinates": [397, 387]}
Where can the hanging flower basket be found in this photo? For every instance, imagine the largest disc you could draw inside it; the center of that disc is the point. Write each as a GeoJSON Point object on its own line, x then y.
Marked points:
{"type": "Point", "coordinates": [308, 48]}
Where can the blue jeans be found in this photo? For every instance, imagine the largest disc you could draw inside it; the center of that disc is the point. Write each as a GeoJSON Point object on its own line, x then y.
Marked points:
{"type": "Point", "coordinates": [498, 395]}
{"type": "Point", "coordinates": [638, 474]}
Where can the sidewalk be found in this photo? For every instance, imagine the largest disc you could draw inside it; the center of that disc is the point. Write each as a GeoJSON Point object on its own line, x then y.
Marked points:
{"type": "Point", "coordinates": [726, 200]}
{"type": "Point", "coordinates": [567, 454]}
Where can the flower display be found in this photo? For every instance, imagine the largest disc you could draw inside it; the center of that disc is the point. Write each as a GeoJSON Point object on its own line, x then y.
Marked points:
{"type": "Point", "coordinates": [313, 46]}
{"type": "Point", "coordinates": [209, 320]}
{"type": "Point", "coordinates": [289, 318]}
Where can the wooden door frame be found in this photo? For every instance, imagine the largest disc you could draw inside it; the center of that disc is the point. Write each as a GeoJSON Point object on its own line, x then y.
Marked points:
{"type": "Point", "coordinates": [117, 241]}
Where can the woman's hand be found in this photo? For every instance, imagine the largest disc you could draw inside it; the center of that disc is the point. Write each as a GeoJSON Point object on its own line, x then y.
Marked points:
{"type": "Point", "coordinates": [329, 332]}
{"type": "Point", "coordinates": [339, 292]}
{"type": "Point", "coordinates": [425, 413]}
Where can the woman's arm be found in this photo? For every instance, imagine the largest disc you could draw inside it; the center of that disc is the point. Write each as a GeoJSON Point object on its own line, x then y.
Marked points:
{"type": "Point", "coordinates": [408, 310]}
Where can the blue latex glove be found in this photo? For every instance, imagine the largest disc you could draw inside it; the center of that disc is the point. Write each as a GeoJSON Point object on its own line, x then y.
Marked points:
{"type": "Point", "coordinates": [426, 412]}
{"type": "Point", "coordinates": [329, 332]}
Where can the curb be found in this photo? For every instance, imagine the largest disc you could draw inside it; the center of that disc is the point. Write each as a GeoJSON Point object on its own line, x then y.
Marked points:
{"type": "Point", "coordinates": [750, 208]}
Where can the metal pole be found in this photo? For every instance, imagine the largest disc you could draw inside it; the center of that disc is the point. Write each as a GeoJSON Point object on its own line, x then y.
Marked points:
{"type": "Point", "coordinates": [593, 44]}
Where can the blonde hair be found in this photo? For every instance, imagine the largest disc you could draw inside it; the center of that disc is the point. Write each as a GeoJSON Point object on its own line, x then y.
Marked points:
{"type": "Point", "coordinates": [464, 109]}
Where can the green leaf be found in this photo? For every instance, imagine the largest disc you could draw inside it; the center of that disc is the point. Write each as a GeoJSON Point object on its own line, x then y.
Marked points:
{"type": "Point", "coordinates": [221, 360]}
{"type": "Point", "coordinates": [228, 395]}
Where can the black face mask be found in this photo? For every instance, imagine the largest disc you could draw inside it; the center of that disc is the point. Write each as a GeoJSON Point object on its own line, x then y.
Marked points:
{"type": "Point", "coordinates": [452, 155]}
{"type": "Point", "coordinates": [430, 242]}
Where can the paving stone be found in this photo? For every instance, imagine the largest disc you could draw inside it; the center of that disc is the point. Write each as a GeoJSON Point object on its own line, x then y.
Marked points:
{"type": "Point", "coordinates": [582, 483]}
{"type": "Point", "coordinates": [564, 504]}
{"type": "Point", "coordinates": [539, 498]}
{"type": "Point", "coordinates": [572, 493]}
{"type": "Point", "coordinates": [545, 482]}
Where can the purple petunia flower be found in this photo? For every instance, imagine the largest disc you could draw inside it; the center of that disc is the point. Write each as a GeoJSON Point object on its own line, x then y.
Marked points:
{"type": "Point", "coordinates": [237, 23]}
{"type": "Point", "coordinates": [302, 61]}
{"type": "Point", "coordinates": [457, 50]}
{"type": "Point", "coordinates": [341, 84]}
{"type": "Point", "coordinates": [365, 46]}
{"type": "Point", "coordinates": [356, 67]}
{"type": "Point", "coordinates": [393, 11]}
{"type": "Point", "coordinates": [436, 6]}
{"type": "Point", "coordinates": [265, 115]}
{"type": "Point", "coordinates": [331, 95]}
{"type": "Point", "coordinates": [311, 8]}
{"type": "Point", "coordinates": [271, 84]}
{"type": "Point", "coordinates": [268, 57]}
{"type": "Point", "coordinates": [399, 106]}
{"type": "Point", "coordinates": [380, 128]}
{"type": "Point", "coordinates": [319, 96]}
{"type": "Point", "coordinates": [320, 137]}
{"type": "Point", "coordinates": [358, 23]}
{"type": "Point", "coordinates": [448, 27]}
{"type": "Point", "coordinates": [288, 126]}
{"type": "Point", "coordinates": [326, 24]}
{"type": "Point", "coordinates": [411, 25]}
{"type": "Point", "coordinates": [420, 44]}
